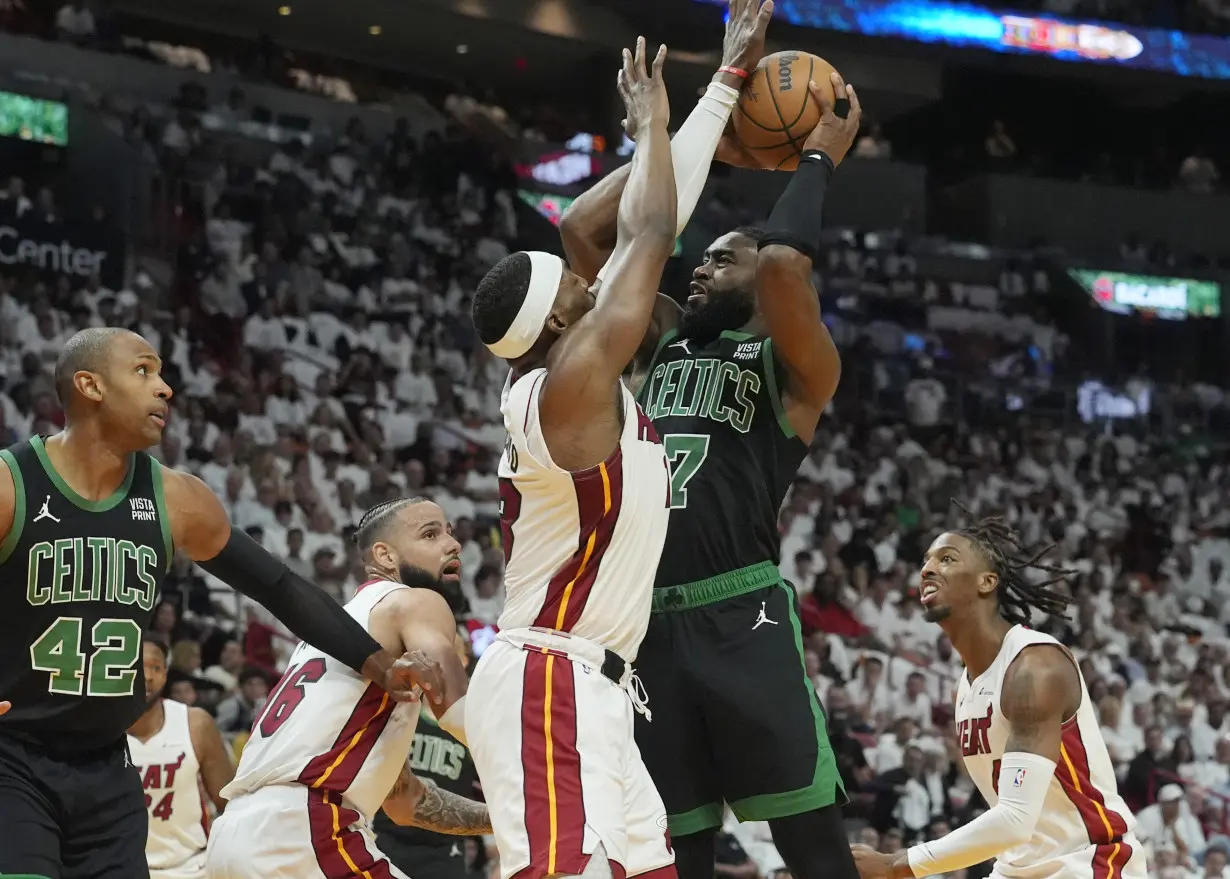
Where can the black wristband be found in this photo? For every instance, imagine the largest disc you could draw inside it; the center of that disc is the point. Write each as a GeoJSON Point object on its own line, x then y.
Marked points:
{"type": "Point", "coordinates": [797, 218]}
{"type": "Point", "coordinates": [305, 608]}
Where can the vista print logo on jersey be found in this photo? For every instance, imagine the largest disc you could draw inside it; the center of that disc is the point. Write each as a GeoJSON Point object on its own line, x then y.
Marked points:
{"type": "Point", "coordinates": [143, 509]}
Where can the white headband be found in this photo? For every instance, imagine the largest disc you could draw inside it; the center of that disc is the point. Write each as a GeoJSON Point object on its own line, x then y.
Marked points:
{"type": "Point", "coordinates": [546, 270]}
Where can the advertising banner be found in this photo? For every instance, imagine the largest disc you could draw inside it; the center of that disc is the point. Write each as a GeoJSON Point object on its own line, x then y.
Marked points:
{"type": "Point", "coordinates": [1167, 298]}
{"type": "Point", "coordinates": [967, 25]}
{"type": "Point", "coordinates": [62, 248]}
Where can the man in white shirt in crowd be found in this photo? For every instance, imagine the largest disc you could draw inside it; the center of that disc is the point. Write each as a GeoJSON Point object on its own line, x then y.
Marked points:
{"type": "Point", "coordinates": [1170, 824]}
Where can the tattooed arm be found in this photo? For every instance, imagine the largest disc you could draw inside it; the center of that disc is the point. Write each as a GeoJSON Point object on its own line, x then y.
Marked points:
{"type": "Point", "coordinates": [420, 802]}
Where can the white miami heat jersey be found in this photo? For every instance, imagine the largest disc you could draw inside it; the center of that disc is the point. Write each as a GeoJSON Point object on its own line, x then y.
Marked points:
{"type": "Point", "coordinates": [1084, 822]}
{"type": "Point", "coordinates": [581, 548]}
{"type": "Point", "coordinates": [170, 774]}
{"type": "Point", "coordinates": [328, 728]}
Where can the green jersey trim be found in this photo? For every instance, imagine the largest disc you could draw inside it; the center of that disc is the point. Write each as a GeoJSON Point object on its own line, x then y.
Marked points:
{"type": "Point", "coordinates": [160, 501]}
{"type": "Point", "coordinates": [99, 506]}
{"type": "Point", "coordinates": [770, 373]}
{"type": "Point", "coordinates": [663, 341]}
{"type": "Point", "coordinates": [686, 596]}
{"type": "Point", "coordinates": [19, 507]}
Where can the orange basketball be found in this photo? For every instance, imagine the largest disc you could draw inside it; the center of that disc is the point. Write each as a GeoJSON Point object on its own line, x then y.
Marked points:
{"type": "Point", "coordinates": [776, 111]}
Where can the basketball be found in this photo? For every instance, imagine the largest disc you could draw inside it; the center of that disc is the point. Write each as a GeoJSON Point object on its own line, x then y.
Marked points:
{"type": "Point", "coordinates": [776, 111]}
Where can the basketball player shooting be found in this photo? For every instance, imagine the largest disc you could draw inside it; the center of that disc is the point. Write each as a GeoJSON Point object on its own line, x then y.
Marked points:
{"type": "Point", "coordinates": [89, 521]}
{"type": "Point", "coordinates": [330, 749]}
{"type": "Point", "coordinates": [1028, 731]}
{"type": "Point", "coordinates": [179, 754]}
{"type": "Point", "coordinates": [583, 509]}
{"type": "Point", "coordinates": [735, 383]}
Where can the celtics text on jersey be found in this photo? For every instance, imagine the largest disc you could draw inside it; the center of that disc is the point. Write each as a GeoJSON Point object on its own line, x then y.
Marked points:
{"type": "Point", "coordinates": [80, 579]}
{"type": "Point", "coordinates": [732, 452]}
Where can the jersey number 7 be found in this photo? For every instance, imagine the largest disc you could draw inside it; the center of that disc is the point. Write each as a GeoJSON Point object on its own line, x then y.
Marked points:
{"type": "Point", "coordinates": [685, 452]}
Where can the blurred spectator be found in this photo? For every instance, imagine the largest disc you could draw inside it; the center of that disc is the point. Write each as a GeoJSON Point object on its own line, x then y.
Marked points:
{"type": "Point", "coordinates": [237, 712]}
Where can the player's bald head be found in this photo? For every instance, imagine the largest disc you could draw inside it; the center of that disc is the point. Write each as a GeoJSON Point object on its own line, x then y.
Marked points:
{"type": "Point", "coordinates": [88, 351]}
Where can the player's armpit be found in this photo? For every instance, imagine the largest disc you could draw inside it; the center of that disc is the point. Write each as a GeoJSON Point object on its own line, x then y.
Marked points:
{"type": "Point", "coordinates": [417, 802]}
{"type": "Point", "coordinates": [1041, 691]}
{"type": "Point", "coordinates": [217, 770]}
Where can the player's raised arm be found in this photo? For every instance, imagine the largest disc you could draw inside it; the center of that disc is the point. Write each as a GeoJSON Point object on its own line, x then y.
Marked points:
{"type": "Point", "coordinates": [589, 226]}
{"type": "Point", "coordinates": [786, 296]}
{"type": "Point", "coordinates": [201, 528]}
{"type": "Point", "coordinates": [1041, 690]}
{"type": "Point", "coordinates": [583, 369]}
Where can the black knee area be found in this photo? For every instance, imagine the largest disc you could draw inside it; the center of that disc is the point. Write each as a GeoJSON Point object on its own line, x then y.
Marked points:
{"type": "Point", "coordinates": [814, 844]}
{"type": "Point", "coordinates": [694, 854]}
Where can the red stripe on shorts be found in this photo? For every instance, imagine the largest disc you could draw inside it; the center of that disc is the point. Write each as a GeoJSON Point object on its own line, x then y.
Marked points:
{"type": "Point", "coordinates": [551, 766]}
{"type": "Point", "coordinates": [341, 853]}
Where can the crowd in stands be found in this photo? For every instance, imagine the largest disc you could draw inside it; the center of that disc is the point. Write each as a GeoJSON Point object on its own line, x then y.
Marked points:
{"type": "Point", "coordinates": [318, 339]}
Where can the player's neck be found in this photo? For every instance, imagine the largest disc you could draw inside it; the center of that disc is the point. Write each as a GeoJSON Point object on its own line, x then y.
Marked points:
{"type": "Point", "coordinates": [93, 467]}
{"type": "Point", "coordinates": [150, 723]}
{"type": "Point", "coordinates": [978, 641]}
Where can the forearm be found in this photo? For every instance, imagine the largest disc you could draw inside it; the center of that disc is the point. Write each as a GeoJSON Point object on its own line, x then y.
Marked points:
{"type": "Point", "coordinates": [1023, 782]}
{"type": "Point", "coordinates": [648, 206]}
{"type": "Point", "coordinates": [442, 811]}
{"type": "Point", "coordinates": [303, 607]}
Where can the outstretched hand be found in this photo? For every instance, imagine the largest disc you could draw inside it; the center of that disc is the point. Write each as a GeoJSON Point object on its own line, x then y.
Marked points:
{"type": "Point", "coordinates": [643, 90]}
{"type": "Point", "coordinates": [835, 133]}
{"type": "Point", "coordinates": [746, 24]}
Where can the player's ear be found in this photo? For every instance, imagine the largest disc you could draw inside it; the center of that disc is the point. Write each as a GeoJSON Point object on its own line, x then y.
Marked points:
{"type": "Point", "coordinates": [555, 323]}
{"type": "Point", "coordinates": [384, 556]}
{"type": "Point", "coordinates": [988, 583]}
{"type": "Point", "coordinates": [88, 385]}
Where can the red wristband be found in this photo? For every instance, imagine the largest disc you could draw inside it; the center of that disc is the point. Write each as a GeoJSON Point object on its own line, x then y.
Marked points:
{"type": "Point", "coordinates": [736, 71]}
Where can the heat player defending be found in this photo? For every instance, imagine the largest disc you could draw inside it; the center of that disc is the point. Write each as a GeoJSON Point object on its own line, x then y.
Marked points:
{"type": "Point", "coordinates": [1028, 731]}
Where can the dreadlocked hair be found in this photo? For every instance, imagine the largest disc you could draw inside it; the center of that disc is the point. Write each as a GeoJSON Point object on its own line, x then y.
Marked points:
{"type": "Point", "coordinates": [1010, 560]}
{"type": "Point", "coordinates": [374, 521]}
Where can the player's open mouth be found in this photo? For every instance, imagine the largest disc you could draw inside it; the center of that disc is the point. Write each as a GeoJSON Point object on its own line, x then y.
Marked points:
{"type": "Point", "coordinates": [928, 591]}
{"type": "Point", "coordinates": [696, 293]}
{"type": "Point", "coordinates": [160, 420]}
{"type": "Point", "coordinates": [452, 571]}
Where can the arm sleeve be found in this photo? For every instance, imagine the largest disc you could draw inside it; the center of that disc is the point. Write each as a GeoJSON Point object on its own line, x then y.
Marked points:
{"type": "Point", "coordinates": [306, 609]}
{"type": "Point", "coordinates": [1023, 782]}
{"type": "Point", "coordinates": [692, 149]}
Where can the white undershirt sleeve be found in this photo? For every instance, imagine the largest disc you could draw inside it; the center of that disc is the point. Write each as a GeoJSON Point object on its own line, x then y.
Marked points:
{"type": "Point", "coordinates": [692, 149]}
{"type": "Point", "coordinates": [1024, 779]}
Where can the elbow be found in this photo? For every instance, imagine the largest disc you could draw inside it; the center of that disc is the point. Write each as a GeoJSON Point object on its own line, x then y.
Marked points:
{"type": "Point", "coordinates": [657, 233]}
{"type": "Point", "coordinates": [782, 259]}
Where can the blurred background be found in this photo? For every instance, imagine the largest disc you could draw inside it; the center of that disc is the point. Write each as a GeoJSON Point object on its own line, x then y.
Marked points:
{"type": "Point", "coordinates": [1025, 269]}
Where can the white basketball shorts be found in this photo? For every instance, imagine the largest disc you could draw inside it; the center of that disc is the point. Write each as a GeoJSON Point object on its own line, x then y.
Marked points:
{"type": "Point", "coordinates": [552, 741]}
{"type": "Point", "coordinates": [291, 832]}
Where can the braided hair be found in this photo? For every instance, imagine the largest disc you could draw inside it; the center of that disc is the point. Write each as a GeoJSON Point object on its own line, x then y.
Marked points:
{"type": "Point", "coordinates": [374, 521]}
{"type": "Point", "coordinates": [1008, 558]}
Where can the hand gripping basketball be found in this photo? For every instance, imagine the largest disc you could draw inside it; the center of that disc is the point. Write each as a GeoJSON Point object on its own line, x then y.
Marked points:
{"type": "Point", "coordinates": [836, 131]}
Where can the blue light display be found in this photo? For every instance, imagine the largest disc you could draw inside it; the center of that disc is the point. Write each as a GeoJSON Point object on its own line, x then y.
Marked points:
{"type": "Point", "coordinates": [965, 25]}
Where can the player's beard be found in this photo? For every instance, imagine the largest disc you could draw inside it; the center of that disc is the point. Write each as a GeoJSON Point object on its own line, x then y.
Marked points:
{"type": "Point", "coordinates": [420, 578]}
{"type": "Point", "coordinates": [722, 310]}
